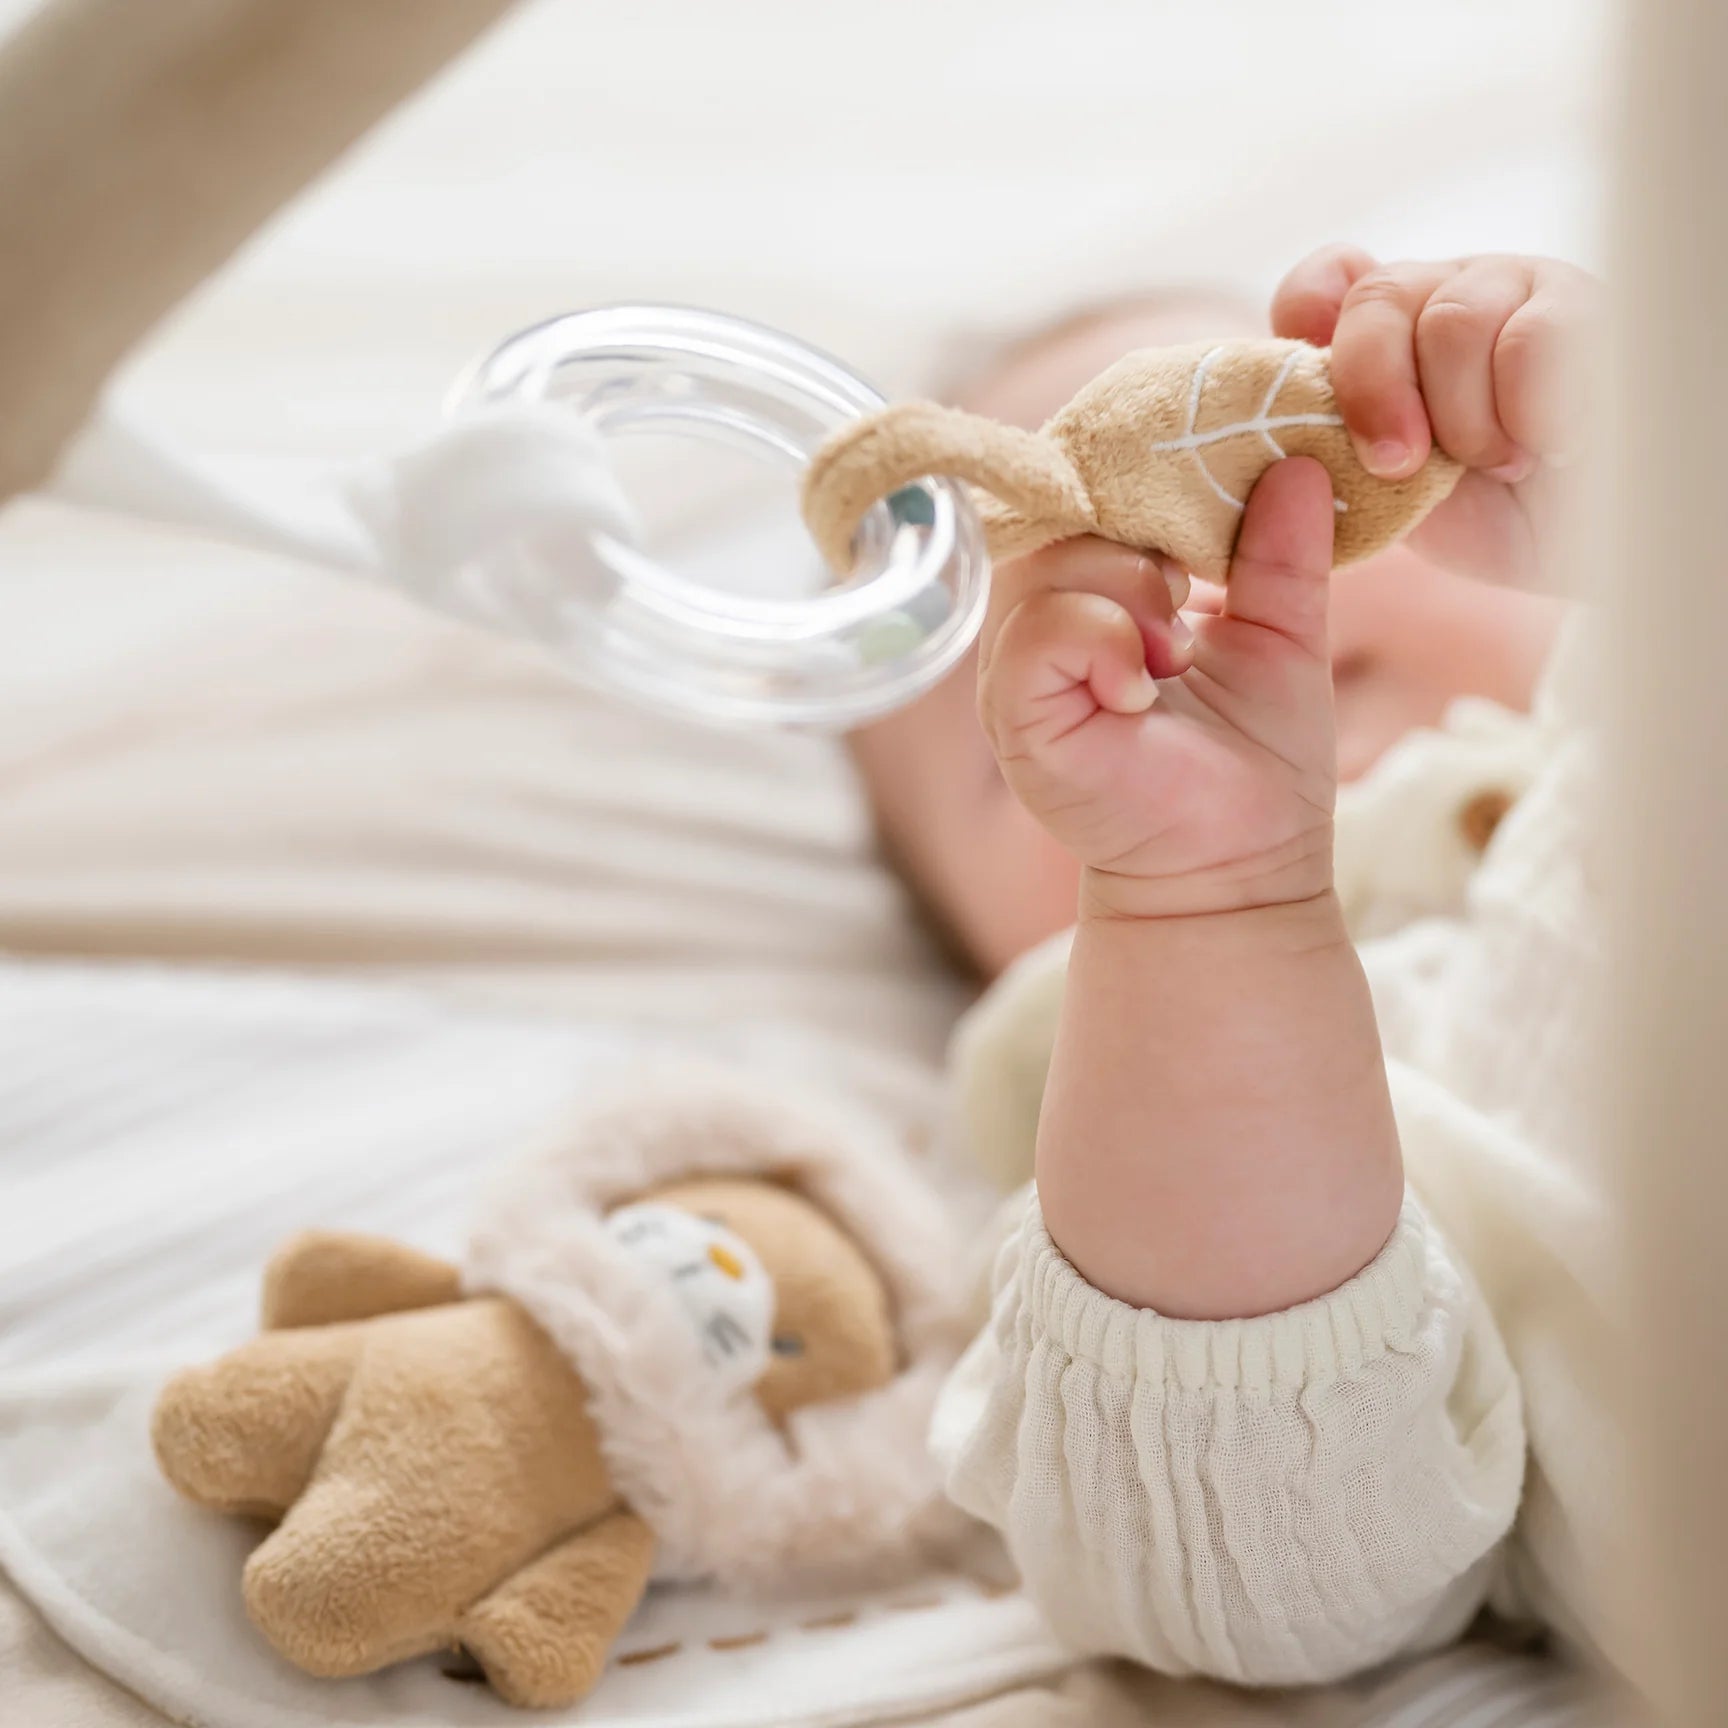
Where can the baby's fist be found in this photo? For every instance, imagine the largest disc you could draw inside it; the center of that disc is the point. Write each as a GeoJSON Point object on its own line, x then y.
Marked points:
{"type": "Point", "coordinates": [1211, 790]}
{"type": "Point", "coordinates": [1481, 356]}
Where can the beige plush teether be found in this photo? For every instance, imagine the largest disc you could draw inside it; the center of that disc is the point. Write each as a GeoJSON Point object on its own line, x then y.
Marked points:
{"type": "Point", "coordinates": [1158, 452]}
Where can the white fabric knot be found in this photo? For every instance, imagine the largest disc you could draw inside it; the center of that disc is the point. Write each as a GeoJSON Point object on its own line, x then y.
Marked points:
{"type": "Point", "coordinates": [443, 521]}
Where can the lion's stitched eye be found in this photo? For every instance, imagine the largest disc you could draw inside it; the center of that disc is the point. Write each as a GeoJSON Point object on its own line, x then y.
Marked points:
{"type": "Point", "coordinates": [787, 1344]}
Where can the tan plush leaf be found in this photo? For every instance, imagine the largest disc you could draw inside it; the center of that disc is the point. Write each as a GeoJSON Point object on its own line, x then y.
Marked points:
{"type": "Point", "coordinates": [1158, 452]}
{"type": "Point", "coordinates": [1170, 443]}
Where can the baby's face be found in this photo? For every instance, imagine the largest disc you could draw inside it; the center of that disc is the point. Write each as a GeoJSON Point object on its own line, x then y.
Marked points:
{"type": "Point", "coordinates": [1408, 638]}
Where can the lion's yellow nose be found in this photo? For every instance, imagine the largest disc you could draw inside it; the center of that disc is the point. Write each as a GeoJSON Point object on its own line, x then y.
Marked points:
{"type": "Point", "coordinates": [726, 1260]}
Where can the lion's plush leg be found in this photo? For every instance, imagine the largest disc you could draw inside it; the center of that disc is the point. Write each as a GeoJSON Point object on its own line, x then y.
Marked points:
{"type": "Point", "coordinates": [544, 1634]}
{"type": "Point", "coordinates": [462, 1452]}
{"type": "Point", "coordinates": [321, 1276]}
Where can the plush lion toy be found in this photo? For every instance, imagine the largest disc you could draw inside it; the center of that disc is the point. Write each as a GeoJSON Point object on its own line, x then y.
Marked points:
{"type": "Point", "coordinates": [698, 1337]}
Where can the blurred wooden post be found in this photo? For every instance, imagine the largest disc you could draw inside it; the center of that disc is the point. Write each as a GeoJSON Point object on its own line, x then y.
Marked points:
{"type": "Point", "coordinates": [142, 141]}
{"type": "Point", "coordinates": [1665, 546]}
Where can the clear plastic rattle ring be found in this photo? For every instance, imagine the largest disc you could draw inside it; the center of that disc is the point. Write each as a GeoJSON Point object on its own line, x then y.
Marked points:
{"type": "Point", "coordinates": [631, 625]}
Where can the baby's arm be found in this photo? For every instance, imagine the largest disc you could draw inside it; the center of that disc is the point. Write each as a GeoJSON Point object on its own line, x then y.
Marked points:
{"type": "Point", "coordinates": [1217, 1139]}
{"type": "Point", "coordinates": [1213, 996]}
{"type": "Point", "coordinates": [1239, 1410]}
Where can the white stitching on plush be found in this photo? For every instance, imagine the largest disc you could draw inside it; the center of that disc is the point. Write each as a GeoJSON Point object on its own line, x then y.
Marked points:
{"type": "Point", "coordinates": [1277, 384]}
{"type": "Point", "coordinates": [1200, 439]}
{"type": "Point", "coordinates": [1265, 423]}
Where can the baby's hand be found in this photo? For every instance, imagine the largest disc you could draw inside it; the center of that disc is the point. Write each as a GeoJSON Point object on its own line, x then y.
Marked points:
{"type": "Point", "coordinates": [1215, 792]}
{"type": "Point", "coordinates": [1482, 356]}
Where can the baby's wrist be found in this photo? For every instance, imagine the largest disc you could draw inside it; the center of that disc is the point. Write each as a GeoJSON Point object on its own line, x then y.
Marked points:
{"type": "Point", "coordinates": [1245, 938]}
{"type": "Point", "coordinates": [1300, 876]}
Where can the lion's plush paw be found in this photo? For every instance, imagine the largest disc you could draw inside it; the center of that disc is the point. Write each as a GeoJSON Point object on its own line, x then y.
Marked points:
{"type": "Point", "coordinates": [243, 1434]}
{"type": "Point", "coordinates": [544, 1634]}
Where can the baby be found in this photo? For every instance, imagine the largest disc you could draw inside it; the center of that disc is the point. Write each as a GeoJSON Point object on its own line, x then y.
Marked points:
{"type": "Point", "coordinates": [1297, 1355]}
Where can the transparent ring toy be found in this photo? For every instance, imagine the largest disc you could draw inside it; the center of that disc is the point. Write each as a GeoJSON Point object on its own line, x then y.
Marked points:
{"type": "Point", "coordinates": [857, 649]}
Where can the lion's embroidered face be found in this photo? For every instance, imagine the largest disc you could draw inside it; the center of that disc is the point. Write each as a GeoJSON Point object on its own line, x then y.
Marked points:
{"type": "Point", "coordinates": [720, 1284]}
{"type": "Point", "coordinates": [766, 1262]}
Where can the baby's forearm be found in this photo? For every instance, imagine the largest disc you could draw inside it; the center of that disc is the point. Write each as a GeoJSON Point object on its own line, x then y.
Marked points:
{"type": "Point", "coordinates": [1217, 1138]}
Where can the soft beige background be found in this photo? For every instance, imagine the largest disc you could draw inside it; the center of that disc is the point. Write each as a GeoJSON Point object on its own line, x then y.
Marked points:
{"type": "Point", "coordinates": [874, 178]}
{"type": "Point", "coordinates": [205, 755]}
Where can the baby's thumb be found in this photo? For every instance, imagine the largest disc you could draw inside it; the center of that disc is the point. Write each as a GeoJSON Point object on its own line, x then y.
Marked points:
{"type": "Point", "coordinates": [1281, 569]}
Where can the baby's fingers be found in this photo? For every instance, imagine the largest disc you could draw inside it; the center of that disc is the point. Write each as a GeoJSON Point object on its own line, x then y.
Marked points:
{"type": "Point", "coordinates": [1542, 376]}
{"type": "Point", "coordinates": [1374, 370]}
{"type": "Point", "coordinates": [1480, 356]}
{"type": "Point", "coordinates": [1140, 585]}
{"type": "Point", "coordinates": [1059, 658]}
{"type": "Point", "coordinates": [1306, 304]}
{"type": "Point", "coordinates": [1459, 333]}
